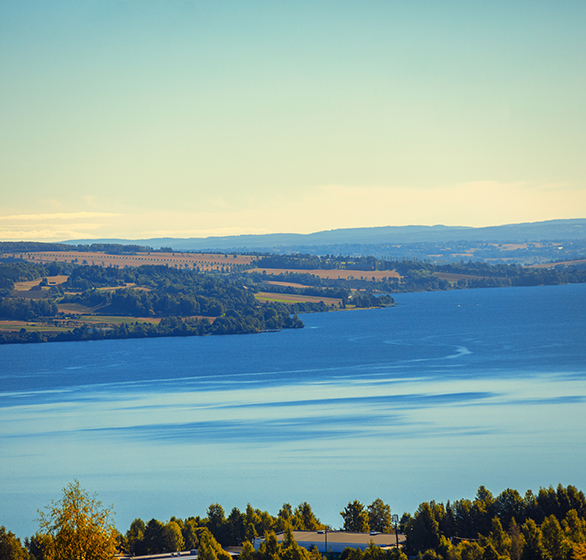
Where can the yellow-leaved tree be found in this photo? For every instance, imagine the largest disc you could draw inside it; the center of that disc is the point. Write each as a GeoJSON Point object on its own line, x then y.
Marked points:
{"type": "Point", "coordinates": [77, 527]}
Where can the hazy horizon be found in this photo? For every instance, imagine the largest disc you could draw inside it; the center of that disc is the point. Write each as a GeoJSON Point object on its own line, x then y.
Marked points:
{"type": "Point", "coordinates": [135, 120]}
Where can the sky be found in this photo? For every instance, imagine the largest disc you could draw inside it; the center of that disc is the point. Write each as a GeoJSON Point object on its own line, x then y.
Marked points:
{"type": "Point", "coordinates": [193, 118]}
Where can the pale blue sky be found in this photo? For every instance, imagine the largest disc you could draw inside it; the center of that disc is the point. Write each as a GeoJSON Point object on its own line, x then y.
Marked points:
{"type": "Point", "coordinates": [139, 118]}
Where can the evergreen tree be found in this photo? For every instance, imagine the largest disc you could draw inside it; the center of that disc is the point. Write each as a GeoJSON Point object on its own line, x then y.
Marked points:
{"type": "Point", "coordinates": [355, 518]}
{"type": "Point", "coordinates": [517, 540]}
{"type": "Point", "coordinates": [379, 516]}
{"type": "Point", "coordinates": [10, 546]}
{"type": "Point", "coordinates": [423, 529]}
{"type": "Point", "coordinates": [533, 549]}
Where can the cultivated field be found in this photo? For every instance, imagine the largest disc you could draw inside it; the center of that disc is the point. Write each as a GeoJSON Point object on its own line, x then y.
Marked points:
{"type": "Point", "coordinates": [335, 274]}
{"type": "Point", "coordinates": [71, 321]}
{"type": "Point", "coordinates": [52, 280]}
{"type": "Point", "coordinates": [205, 261]}
{"type": "Point", "coordinates": [553, 265]}
{"type": "Point", "coordinates": [296, 298]}
{"type": "Point", "coordinates": [286, 284]}
{"type": "Point", "coordinates": [451, 277]}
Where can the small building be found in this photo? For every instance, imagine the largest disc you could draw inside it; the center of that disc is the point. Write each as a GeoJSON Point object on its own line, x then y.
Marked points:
{"type": "Point", "coordinates": [337, 541]}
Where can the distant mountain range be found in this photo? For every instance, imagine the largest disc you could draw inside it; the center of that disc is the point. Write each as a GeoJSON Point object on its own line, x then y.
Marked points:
{"type": "Point", "coordinates": [552, 230]}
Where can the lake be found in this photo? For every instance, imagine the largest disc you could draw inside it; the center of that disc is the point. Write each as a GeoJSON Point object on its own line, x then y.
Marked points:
{"type": "Point", "coordinates": [429, 399]}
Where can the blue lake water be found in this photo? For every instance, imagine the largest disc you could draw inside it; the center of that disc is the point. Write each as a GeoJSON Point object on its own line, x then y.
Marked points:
{"type": "Point", "coordinates": [426, 400]}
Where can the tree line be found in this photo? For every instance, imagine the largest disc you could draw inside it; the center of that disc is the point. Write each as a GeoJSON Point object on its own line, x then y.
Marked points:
{"type": "Point", "coordinates": [549, 525]}
{"type": "Point", "coordinates": [17, 247]}
{"type": "Point", "coordinates": [417, 275]}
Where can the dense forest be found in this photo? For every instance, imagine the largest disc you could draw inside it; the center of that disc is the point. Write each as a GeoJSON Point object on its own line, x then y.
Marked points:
{"type": "Point", "coordinates": [547, 525]}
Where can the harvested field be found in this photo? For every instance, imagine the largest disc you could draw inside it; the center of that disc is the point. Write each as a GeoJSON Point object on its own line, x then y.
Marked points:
{"type": "Point", "coordinates": [118, 319]}
{"type": "Point", "coordinates": [60, 324]}
{"type": "Point", "coordinates": [335, 274]}
{"type": "Point", "coordinates": [53, 281]}
{"type": "Point", "coordinates": [296, 298]}
{"type": "Point", "coordinates": [286, 284]}
{"type": "Point", "coordinates": [73, 308]}
{"type": "Point", "coordinates": [31, 294]}
{"type": "Point", "coordinates": [205, 261]}
{"type": "Point", "coordinates": [451, 277]}
{"type": "Point", "coordinates": [128, 285]}
{"type": "Point", "coordinates": [15, 326]}
{"type": "Point", "coordinates": [514, 246]}
{"type": "Point", "coordinates": [553, 265]}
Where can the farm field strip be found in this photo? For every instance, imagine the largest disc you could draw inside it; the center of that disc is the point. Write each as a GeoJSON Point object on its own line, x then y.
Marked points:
{"type": "Point", "coordinates": [116, 319]}
{"type": "Point", "coordinates": [553, 265]}
{"type": "Point", "coordinates": [62, 324]}
{"type": "Point", "coordinates": [15, 326]}
{"type": "Point", "coordinates": [52, 280]}
{"type": "Point", "coordinates": [332, 274]}
{"type": "Point", "coordinates": [295, 298]}
{"type": "Point", "coordinates": [211, 260]}
{"type": "Point", "coordinates": [286, 284]}
{"type": "Point", "coordinates": [454, 277]}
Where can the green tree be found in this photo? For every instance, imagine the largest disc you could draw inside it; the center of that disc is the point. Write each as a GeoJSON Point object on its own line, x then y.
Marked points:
{"type": "Point", "coordinates": [351, 554]}
{"type": "Point", "coordinates": [447, 550]}
{"type": "Point", "coordinates": [153, 537]}
{"type": "Point", "coordinates": [285, 518]}
{"type": "Point", "coordinates": [305, 520]}
{"type": "Point", "coordinates": [247, 551]}
{"type": "Point", "coordinates": [209, 548]}
{"type": "Point", "coordinates": [379, 516]}
{"type": "Point", "coordinates": [252, 521]}
{"type": "Point", "coordinates": [189, 532]}
{"type": "Point", "coordinates": [314, 554]}
{"type": "Point", "coordinates": [509, 504]}
{"type": "Point", "coordinates": [533, 549]}
{"type": "Point", "coordinates": [217, 522]}
{"type": "Point", "coordinates": [574, 527]}
{"type": "Point", "coordinates": [490, 552]}
{"type": "Point", "coordinates": [79, 527]}
{"type": "Point", "coordinates": [172, 537]}
{"type": "Point", "coordinates": [37, 545]}
{"type": "Point", "coordinates": [397, 554]}
{"type": "Point", "coordinates": [135, 537]}
{"type": "Point", "coordinates": [10, 546]}
{"type": "Point", "coordinates": [423, 529]}
{"type": "Point", "coordinates": [269, 549]}
{"type": "Point", "coordinates": [373, 552]}
{"type": "Point", "coordinates": [499, 538]}
{"type": "Point", "coordinates": [290, 550]}
{"type": "Point", "coordinates": [517, 540]}
{"type": "Point", "coordinates": [470, 551]}
{"type": "Point", "coordinates": [236, 527]}
{"type": "Point", "coordinates": [355, 518]}
{"type": "Point", "coordinates": [482, 510]}
{"type": "Point", "coordinates": [554, 542]}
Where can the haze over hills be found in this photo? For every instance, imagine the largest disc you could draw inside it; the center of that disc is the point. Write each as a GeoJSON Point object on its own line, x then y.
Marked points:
{"type": "Point", "coordinates": [551, 231]}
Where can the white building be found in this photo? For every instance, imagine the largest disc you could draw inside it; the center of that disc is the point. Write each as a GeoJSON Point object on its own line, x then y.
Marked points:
{"type": "Point", "coordinates": [337, 541]}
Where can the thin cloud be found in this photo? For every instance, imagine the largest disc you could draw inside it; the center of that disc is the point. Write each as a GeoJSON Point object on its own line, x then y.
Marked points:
{"type": "Point", "coordinates": [58, 216]}
{"type": "Point", "coordinates": [46, 234]}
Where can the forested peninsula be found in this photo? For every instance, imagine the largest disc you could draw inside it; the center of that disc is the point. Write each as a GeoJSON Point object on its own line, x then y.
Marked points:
{"type": "Point", "coordinates": [93, 302]}
{"type": "Point", "coordinates": [55, 292]}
